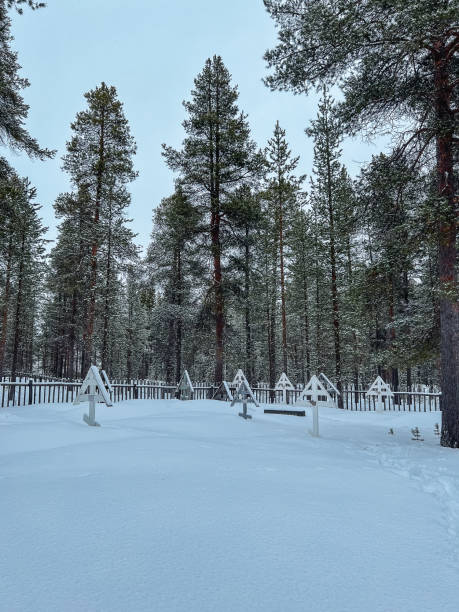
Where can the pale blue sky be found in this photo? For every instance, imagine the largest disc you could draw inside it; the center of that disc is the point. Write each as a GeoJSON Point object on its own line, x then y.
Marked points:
{"type": "Point", "coordinates": [150, 50]}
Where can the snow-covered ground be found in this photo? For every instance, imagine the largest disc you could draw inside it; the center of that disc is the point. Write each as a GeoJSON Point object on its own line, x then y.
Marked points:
{"type": "Point", "coordinates": [184, 506]}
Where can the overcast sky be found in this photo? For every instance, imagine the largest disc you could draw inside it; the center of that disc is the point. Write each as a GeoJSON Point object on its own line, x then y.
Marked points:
{"type": "Point", "coordinates": [150, 50]}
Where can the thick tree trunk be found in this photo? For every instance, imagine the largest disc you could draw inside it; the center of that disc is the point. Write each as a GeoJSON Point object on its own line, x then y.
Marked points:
{"type": "Point", "coordinates": [219, 299]}
{"type": "Point", "coordinates": [449, 304]}
{"type": "Point", "coordinates": [178, 334]}
{"type": "Point", "coordinates": [106, 317]}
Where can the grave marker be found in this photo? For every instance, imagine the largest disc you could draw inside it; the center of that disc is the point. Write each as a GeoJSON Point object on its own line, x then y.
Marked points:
{"type": "Point", "coordinates": [107, 382]}
{"type": "Point", "coordinates": [223, 393]}
{"type": "Point", "coordinates": [315, 391]}
{"type": "Point", "coordinates": [92, 390]}
{"type": "Point", "coordinates": [315, 419]}
{"type": "Point", "coordinates": [240, 376]}
{"type": "Point", "coordinates": [329, 385]}
{"type": "Point", "coordinates": [381, 391]}
{"type": "Point", "coordinates": [244, 395]}
{"type": "Point", "coordinates": [185, 389]}
{"type": "Point", "coordinates": [284, 384]}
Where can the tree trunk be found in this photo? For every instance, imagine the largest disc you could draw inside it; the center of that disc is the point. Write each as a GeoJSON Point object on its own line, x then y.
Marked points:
{"type": "Point", "coordinates": [282, 279]}
{"type": "Point", "coordinates": [129, 342]}
{"type": "Point", "coordinates": [17, 318]}
{"type": "Point", "coordinates": [219, 300]}
{"type": "Point", "coordinates": [306, 320]}
{"type": "Point", "coordinates": [248, 332]}
{"type": "Point", "coordinates": [178, 335]}
{"type": "Point", "coordinates": [6, 300]}
{"type": "Point", "coordinates": [106, 317]}
{"type": "Point", "coordinates": [449, 304]}
{"type": "Point", "coordinates": [72, 337]}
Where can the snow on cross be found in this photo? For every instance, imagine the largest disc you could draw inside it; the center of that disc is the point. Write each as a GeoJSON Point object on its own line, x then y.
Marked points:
{"type": "Point", "coordinates": [243, 395]}
{"type": "Point", "coordinates": [185, 389]}
{"type": "Point", "coordinates": [315, 391]}
{"type": "Point", "coordinates": [380, 391]}
{"type": "Point", "coordinates": [284, 384]}
{"type": "Point", "coordinates": [329, 385]}
{"type": "Point", "coordinates": [240, 376]}
{"type": "Point", "coordinates": [92, 390]}
{"type": "Point", "coordinates": [108, 384]}
{"type": "Point", "coordinates": [223, 392]}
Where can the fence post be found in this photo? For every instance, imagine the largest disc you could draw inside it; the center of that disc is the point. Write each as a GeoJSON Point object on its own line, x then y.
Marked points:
{"type": "Point", "coordinates": [30, 391]}
{"type": "Point", "coordinates": [136, 391]}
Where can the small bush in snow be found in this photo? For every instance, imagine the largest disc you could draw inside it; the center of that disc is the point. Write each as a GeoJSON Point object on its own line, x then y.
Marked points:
{"type": "Point", "coordinates": [436, 429]}
{"type": "Point", "coordinates": [391, 431]}
{"type": "Point", "coordinates": [416, 434]}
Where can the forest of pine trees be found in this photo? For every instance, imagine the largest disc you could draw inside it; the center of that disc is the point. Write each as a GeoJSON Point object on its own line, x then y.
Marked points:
{"type": "Point", "coordinates": [251, 263]}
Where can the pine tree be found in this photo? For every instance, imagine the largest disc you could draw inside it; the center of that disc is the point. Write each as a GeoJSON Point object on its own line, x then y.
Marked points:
{"type": "Point", "coordinates": [283, 189]}
{"type": "Point", "coordinates": [172, 266]}
{"type": "Point", "coordinates": [394, 59]}
{"type": "Point", "coordinates": [17, 4]}
{"type": "Point", "coordinates": [99, 161]}
{"type": "Point", "coordinates": [302, 245]}
{"type": "Point", "coordinates": [13, 109]}
{"type": "Point", "coordinates": [326, 200]}
{"type": "Point", "coordinates": [23, 275]}
{"type": "Point", "coordinates": [217, 157]}
{"type": "Point", "coordinates": [246, 215]}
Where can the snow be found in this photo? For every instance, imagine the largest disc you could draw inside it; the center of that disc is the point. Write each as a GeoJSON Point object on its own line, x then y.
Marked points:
{"type": "Point", "coordinates": [183, 506]}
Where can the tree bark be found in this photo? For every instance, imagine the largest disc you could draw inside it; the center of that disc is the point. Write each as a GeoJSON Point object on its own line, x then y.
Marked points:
{"type": "Point", "coordinates": [6, 300]}
{"type": "Point", "coordinates": [178, 335]}
{"type": "Point", "coordinates": [306, 320]}
{"type": "Point", "coordinates": [449, 305]}
{"type": "Point", "coordinates": [248, 331]}
{"type": "Point", "coordinates": [282, 277]}
{"type": "Point", "coordinates": [106, 317]}
{"type": "Point", "coordinates": [17, 318]}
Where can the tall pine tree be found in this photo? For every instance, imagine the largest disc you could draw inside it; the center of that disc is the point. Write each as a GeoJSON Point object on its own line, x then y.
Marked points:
{"type": "Point", "coordinates": [217, 157]}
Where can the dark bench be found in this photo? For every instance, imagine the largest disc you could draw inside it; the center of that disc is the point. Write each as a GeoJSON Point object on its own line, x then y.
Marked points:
{"type": "Point", "coordinates": [299, 413]}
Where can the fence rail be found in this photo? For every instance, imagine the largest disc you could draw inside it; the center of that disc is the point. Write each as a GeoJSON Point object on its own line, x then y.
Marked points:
{"type": "Point", "coordinates": [30, 392]}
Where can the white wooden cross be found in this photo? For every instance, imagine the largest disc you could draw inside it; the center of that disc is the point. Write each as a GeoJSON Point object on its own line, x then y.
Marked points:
{"type": "Point", "coordinates": [243, 395]}
{"type": "Point", "coordinates": [328, 384]}
{"type": "Point", "coordinates": [92, 390]}
{"type": "Point", "coordinates": [314, 391]}
{"type": "Point", "coordinates": [380, 391]}
{"type": "Point", "coordinates": [223, 392]}
{"type": "Point", "coordinates": [315, 419]}
{"type": "Point", "coordinates": [107, 382]}
{"type": "Point", "coordinates": [240, 376]}
{"type": "Point", "coordinates": [185, 389]}
{"type": "Point", "coordinates": [282, 385]}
